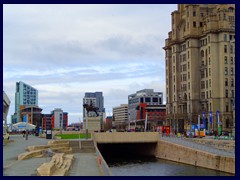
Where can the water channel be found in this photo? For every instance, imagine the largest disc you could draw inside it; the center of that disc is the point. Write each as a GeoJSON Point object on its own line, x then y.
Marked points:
{"type": "Point", "coordinates": [151, 166]}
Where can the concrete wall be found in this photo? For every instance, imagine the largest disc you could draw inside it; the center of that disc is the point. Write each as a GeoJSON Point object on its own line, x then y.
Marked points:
{"type": "Point", "coordinates": [126, 137]}
{"type": "Point", "coordinates": [178, 153]}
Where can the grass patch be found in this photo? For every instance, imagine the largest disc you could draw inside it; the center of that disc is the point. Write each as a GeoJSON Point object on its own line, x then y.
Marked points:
{"type": "Point", "coordinates": [73, 136]}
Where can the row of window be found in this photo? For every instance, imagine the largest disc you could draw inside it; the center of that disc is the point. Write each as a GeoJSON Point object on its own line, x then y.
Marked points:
{"type": "Point", "coordinates": [231, 71]}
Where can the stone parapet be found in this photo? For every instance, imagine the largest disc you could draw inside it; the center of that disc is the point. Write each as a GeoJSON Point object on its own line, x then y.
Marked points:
{"type": "Point", "coordinates": [182, 154]}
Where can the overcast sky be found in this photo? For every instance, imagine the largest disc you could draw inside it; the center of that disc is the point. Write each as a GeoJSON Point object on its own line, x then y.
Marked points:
{"type": "Point", "coordinates": [66, 50]}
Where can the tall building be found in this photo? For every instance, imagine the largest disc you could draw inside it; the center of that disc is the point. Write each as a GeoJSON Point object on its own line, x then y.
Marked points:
{"type": "Point", "coordinates": [25, 95]}
{"type": "Point", "coordinates": [120, 116]}
{"type": "Point", "coordinates": [200, 64]}
{"type": "Point", "coordinates": [97, 100]}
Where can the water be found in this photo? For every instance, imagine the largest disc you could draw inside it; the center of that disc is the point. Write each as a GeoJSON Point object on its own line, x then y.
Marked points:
{"type": "Point", "coordinates": [158, 167]}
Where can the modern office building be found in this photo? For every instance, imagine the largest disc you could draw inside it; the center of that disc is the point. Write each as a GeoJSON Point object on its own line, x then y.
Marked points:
{"type": "Point", "coordinates": [147, 96]}
{"type": "Point", "coordinates": [200, 64]}
{"type": "Point", "coordinates": [97, 100]}
{"type": "Point", "coordinates": [120, 116]}
{"type": "Point", "coordinates": [25, 96]}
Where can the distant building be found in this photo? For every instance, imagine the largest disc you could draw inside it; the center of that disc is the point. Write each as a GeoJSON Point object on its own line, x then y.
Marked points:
{"type": "Point", "coordinates": [58, 119]}
{"type": "Point", "coordinates": [25, 96]}
{"type": "Point", "coordinates": [108, 123]}
{"type": "Point", "coordinates": [32, 115]}
{"type": "Point", "coordinates": [120, 116]}
{"type": "Point", "coordinates": [200, 65]}
{"type": "Point", "coordinates": [147, 96]}
{"type": "Point", "coordinates": [6, 105]}
{"type": "Point", "coordinates": [97, 100]}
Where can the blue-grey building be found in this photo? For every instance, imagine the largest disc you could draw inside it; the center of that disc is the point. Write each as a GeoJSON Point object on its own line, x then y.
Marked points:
{"type": "Point", "coordinates": [25, 96]}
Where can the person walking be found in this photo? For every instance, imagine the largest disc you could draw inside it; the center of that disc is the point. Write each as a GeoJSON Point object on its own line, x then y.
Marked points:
{"type": "Point", "coordinates": [24, 132]}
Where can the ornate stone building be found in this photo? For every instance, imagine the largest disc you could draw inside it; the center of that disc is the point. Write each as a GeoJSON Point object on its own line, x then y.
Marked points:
{"type": "Point", "coordinates": [200, 64]}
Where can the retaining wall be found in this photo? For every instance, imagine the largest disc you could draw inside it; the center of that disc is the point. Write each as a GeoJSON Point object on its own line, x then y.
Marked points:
{"type": "Point", "coordinates": [178, 153]}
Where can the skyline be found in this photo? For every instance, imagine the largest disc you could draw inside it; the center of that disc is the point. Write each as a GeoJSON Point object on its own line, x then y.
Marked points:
{"type": "Point", "coordinates": [66, 50]}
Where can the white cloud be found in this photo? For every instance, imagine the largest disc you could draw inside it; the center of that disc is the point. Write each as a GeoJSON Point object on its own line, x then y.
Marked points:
{"type": "Point", "coordinates": [67, 50]}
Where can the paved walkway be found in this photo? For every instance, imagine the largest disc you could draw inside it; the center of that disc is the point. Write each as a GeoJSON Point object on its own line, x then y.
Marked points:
{"type": "Point", "coordinates": [85, 164]}
{"type": "Point", "coordinates": [198, 146]}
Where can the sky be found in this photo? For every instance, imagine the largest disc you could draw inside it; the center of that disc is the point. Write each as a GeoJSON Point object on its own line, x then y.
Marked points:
{"type": "Point", "coordinates": [66, 50]}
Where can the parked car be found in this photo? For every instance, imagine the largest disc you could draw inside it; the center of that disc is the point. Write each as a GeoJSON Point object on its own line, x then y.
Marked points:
{"type": "Point", "coordinates": [6, 136]}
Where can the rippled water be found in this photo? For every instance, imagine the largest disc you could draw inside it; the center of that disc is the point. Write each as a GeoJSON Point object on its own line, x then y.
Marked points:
{"type": "Point", "coordinates": [158, 167]}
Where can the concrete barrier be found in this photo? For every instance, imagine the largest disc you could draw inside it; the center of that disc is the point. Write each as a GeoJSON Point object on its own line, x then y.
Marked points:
{"type": "Point", "coordinates": [126, 137]}
{"type": "Point", "coordinates": [174, 152]}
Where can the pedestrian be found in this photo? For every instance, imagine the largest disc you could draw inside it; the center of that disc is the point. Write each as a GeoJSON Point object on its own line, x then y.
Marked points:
{"type": "Point", "coordinates": [24, 132]}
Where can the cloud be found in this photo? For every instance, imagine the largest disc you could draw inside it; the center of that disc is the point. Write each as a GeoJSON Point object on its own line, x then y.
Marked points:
{"type": "Point", "coordinates": [67, 50]}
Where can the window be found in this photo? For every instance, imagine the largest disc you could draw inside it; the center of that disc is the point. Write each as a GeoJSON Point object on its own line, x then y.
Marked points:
{"type": "Point", "coordinates": [209, 50]}
{"type": "Point", "coordinates": [188, 85]}
{"type": "Point", "coordinates": [202, 95]}
{"type": "Point", "coordinates": [225, 60]}
{"type": "Point", "coordinates": [232, 93]}
{"type": "Point", "coordinates": [202, 74]}
{"type": "Point", "coordinates": [232, 71]}
{"type": "Point", "coordinates": [147, 99]}
{"type": "Point", "coordinates": [201, 14]}
{"type": "Point", "coordinates": [226, 93]}
{"type": "Point", "coordinates": [231, 60]}
{"type": "Point", "coordinates": [202, 84]}
{"type": "Point", "coordinates": [201, 24]}
{"type": "Point", "coordinates": [206, 83]}
{"type": "Point", "coordinates": [209, 61]}
{"type": "Point", "coordinates": [194, 24]}
{"type": "Point", "coordinates": [155, 99]}
{"type": "Point", "coordinates": [208, 39]}
{"type": "Point", "coordinates": [225, 37]}
{"type": "Point", "coordinates": [174, 88]}
{"type": "Point", "coordinates": [226, 82]}
{"type": "Point", "coordinates": [194, 13]}
{"type": "Point", "coordinates": [231, 49]}
{"type": "Point", "coordinates": [225, 48]}
{"type": "Point", "coordinates": [209, 71]}
{"type": "Point", "coordinates": [141, 100]}
{"type": "Point", "coordinates": [226, 71]}
{"type": "Point", "coordinates": [224, 17]}
{"type": "Point", "coordinates": [188, 65]}
{"type": "Point", "coordinates": [210, 94]}
{"type": "Point", "coordinates": [226, 107]}
{"type": "Point", "coordinates": [231, 18]}
{"type": "Point", "coordinates": [210, 83]}
{"type": "Point", "coordinates": [232, 82]}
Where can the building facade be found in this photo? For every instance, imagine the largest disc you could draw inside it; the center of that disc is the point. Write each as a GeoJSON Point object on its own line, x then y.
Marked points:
{"type": "Point", "coordinates": [6, 105]}
{"type": "Point", "coordinates": [200, 64]}
{"type": "Point", "coordinates": [57, 119]}
{"type": "Point", "coordinates": [120, 116]}
{"type": "Point", "coordinates": [147, 96]}
{"type": "Point", "coordinates": [25, 95]}
{"type": "Point", "coordinates": [97, 100]}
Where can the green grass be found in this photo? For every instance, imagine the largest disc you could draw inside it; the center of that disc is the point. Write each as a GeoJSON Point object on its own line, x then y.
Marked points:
{"type": "Point", "coordinates": [73, 136]}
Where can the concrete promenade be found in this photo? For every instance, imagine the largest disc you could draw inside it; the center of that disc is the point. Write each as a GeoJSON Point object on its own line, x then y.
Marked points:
{"type": "Point", "coordinates": [85, 164]}
{"type": "Point", "coordinates": [210, 148]}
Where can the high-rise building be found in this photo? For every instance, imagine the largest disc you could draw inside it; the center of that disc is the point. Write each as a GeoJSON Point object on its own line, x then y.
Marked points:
{"type": "Point", "coordinates": [25, 95]}
{"type": "Point", "coordinates": [200, 64]}
{"type": "Point", "coordinates": [120, 116]}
